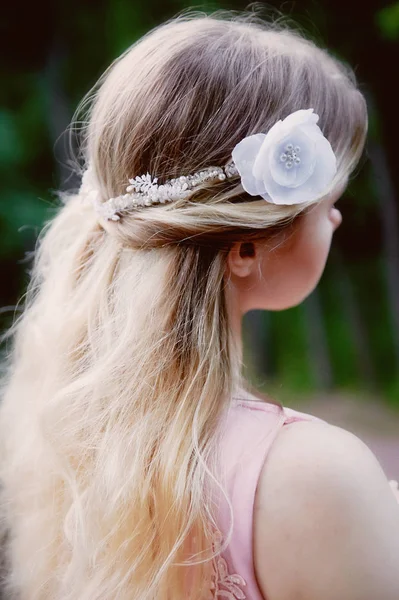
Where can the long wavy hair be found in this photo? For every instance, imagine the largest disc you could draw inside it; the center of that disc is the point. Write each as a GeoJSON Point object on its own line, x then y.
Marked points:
{"type": "Point", "coordinates": [123, 359]}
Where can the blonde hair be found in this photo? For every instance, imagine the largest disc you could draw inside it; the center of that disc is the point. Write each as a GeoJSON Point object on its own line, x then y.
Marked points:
{"type": "Point", "coordinates": [123, 360]}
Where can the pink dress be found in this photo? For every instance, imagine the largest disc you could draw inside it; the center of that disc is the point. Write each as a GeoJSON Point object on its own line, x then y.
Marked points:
{"type": "Point", "coordinates": [247, 433]}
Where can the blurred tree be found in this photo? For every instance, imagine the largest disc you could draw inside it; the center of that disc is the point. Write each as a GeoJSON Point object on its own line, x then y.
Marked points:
{"type": "Point", "coordinates": [387, 20]}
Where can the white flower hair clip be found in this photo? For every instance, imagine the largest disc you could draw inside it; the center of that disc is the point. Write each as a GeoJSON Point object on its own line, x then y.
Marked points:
{"type": "Point", "coordinates": [291, 164]}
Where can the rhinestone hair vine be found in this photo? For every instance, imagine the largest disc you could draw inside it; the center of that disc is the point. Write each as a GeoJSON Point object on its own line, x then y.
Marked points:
{"type": "Point", "coordinates": [144, 190]}
{"type": "Point", "coordinates": [290, 164]}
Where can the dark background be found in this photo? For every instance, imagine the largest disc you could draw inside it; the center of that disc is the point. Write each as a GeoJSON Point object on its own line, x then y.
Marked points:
{"type": "Point", "coordinates": [345, 337]}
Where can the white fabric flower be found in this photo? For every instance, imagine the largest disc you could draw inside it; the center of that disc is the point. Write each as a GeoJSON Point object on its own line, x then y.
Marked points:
{"type": "Point", "coordinates": [395, 488]}
{"type": "Point", "coordinates": [290, 164]}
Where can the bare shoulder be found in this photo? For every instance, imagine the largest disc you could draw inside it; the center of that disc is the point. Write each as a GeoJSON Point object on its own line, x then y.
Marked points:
{"type": "Point", "coordinates": [326, 523]}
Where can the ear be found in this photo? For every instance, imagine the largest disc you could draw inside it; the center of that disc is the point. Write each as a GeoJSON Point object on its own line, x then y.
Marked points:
{"type": "Point", "coordinates": [241, 258]}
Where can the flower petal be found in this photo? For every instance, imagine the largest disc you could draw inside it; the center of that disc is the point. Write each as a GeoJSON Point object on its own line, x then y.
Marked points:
{"type": "Point", "coordinates": [325, 169]}
{"type": "Point", "coordinates": [244, 154]}
{"type": "Point", "coordinates": [249, 183]}
{"type": "Point", "coordinates": [269, 140]}
{"type": "Point", "coordinates": [300, 117]}
{"type": "Point", "coordinates": [280, 194]}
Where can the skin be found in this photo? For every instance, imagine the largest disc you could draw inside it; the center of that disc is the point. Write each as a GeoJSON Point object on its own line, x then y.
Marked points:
{"type": "Point", "coordinates": [257, 278]}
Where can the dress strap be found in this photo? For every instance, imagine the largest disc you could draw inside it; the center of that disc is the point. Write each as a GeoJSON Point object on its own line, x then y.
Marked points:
{"type": "Point", "coordinates": [247, 433]}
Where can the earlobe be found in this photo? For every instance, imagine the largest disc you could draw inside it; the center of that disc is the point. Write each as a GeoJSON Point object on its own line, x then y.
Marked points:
{"type": "Point", "coordinates": [241, 258]}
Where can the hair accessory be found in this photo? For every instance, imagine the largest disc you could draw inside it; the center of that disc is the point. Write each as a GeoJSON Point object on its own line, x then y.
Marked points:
{"type": "Point", "coordinates": [143, 190]}
{"type": "Point", "coordinates": [290, 164]}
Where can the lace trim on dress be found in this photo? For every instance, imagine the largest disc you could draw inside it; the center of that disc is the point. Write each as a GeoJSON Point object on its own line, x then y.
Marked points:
{"type": "Point", "coordinates": [225, 584]}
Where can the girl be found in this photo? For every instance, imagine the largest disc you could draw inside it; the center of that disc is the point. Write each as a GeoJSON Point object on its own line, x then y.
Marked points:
{"type": "Point", "coordinates": [136, 464]}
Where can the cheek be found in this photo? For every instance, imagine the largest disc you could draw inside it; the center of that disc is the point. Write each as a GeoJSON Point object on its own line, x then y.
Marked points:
{"type": "Point", "coordinates": [309, 259]}
{"type": "Point", "coordinates": [315, 247]}
{"type": "Point", "coordinates": [294, 272]}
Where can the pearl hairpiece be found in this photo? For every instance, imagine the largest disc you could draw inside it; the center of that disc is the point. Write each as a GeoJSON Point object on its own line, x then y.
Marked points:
{"type": "Point", "coordinates": [143, 190]}
{"type": "Point", "coordinates": [291, 164]}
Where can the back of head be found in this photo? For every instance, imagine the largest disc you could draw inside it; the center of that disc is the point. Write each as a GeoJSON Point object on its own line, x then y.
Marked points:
{"type": "Point", "coordinates": [180, 99]}
{"type": "Point", "coordinates": [124, 359]}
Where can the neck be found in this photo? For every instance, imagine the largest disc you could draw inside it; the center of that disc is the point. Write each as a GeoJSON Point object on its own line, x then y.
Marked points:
{"type": "Point", "coordinates": [234, 317]}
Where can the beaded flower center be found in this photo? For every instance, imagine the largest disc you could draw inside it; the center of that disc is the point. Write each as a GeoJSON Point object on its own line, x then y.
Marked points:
{"type": "Point", "coordinates": [291, 156]}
